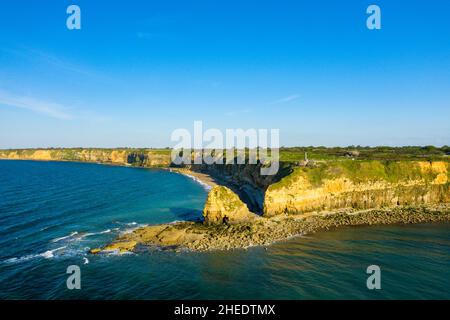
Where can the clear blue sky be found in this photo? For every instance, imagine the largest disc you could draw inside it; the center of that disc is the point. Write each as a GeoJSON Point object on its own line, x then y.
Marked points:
{"type": "Point", "coordinates": [137, 70]}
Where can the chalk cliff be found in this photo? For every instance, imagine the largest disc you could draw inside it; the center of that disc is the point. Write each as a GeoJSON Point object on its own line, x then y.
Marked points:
{"type": "Point", "coordinates": [358, 185]}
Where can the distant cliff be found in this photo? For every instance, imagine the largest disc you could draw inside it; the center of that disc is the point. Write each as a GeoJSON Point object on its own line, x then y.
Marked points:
{"type": "Point", "coordinates": [133, 157]}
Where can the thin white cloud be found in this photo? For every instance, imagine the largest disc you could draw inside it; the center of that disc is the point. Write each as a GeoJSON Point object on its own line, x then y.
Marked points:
{"type": "Point", "coordinates": [50, 109]}
{"type": "Point", "coordinates": [46, 59]}
{"type": "Point", "coordinates": [287, 99]}
{"type": "Point", "coordinates": [58, 63]}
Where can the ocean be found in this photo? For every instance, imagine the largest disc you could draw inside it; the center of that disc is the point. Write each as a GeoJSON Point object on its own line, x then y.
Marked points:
{"type": "Point", "coordinates": [52, 213]}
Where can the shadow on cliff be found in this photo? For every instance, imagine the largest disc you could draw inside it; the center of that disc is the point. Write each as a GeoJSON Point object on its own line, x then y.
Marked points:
{"type": "Point", "coordinates": [245, 180]}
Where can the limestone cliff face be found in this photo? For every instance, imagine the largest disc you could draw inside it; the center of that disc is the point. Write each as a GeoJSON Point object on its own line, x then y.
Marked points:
{"type": "Point", "coordinates": [359, 185]}
{"type": "Point", "coordinates": [141, 157]}
{"type": "Point", "coordinates": [224, 206]}
{"type": "Point", "coordinates": [245, 180]}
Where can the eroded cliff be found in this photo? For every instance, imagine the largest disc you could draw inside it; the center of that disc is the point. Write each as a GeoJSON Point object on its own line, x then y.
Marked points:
{"type": "Point", "coordinates": [224, 206]}
{"type": "Point", "coordinates": [359, 185]}
{"type": "Point", "coordinates": [245, 180]}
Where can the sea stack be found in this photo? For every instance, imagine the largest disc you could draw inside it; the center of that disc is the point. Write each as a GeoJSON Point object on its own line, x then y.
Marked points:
{"type": "Point", "coordinates": [223, 206]}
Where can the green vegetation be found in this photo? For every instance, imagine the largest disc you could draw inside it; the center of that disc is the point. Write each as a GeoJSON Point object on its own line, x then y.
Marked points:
{"type": "Point", "coordinates": [360, 171]}
{"type": "Point", "coordinates": [230, 200]}
{"type": "Point", "coordinates": [297, 153]}
{"type": "Point", "coordinates": [291, 156]}
{"type": "Point", "coordinates": [426, 153]}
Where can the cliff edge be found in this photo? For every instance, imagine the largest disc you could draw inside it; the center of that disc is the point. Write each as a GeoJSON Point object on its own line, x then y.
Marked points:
{"type": "Point", "coordinates": [358, 185]}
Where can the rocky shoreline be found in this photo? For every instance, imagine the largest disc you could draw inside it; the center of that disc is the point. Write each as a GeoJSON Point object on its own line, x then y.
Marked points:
{"type": "Point", "coordinates": [196, 236]}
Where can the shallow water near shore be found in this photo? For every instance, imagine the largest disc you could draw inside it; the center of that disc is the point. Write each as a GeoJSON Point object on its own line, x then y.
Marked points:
{"type": "Point", "coordinates": [51, 213]}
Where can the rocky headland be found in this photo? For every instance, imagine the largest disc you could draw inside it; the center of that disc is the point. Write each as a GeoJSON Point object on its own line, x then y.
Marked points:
{"type": "Point", "coordinates": [245, 209]}
{"type": "Point", "coordinates": [306, 200]}
{"type": "Point", "coordinates": [197, 236]}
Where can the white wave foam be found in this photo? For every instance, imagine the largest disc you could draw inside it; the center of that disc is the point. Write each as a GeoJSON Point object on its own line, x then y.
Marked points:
{"type": "Point", "coordinates": [111, 252]}
{"type": "Point", "coordinates": [47, 255]}
{"type": "Point", "coordinates": [65, 237]}
{"type": "Point", "coordinates": [130, 230]}
{"type": "Point", "coordinates": [94, 233]}
{"type": "Point", "coordinates": [86, 260]}
{"type": "Point", "coordinates": [116, 252]}
{"type": "Point", "coordinates": [84, 235]}
{"type": "Point", "coordinates": [133, 223]}
{"type": "Point", "coordinates": [21, 259]}
{"type": "Point", "coordinates": [206, 186]}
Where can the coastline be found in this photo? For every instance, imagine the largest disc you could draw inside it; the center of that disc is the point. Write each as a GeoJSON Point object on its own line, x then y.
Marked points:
{"type": "Point", "coordinates": [202, 178]}
{"type": "Point", "coordinates": [196, 236]}
{"type": "Point", "coordinates": [265, 230]}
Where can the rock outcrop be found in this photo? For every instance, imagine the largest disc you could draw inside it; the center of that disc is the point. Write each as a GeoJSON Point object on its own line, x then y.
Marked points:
{"type": "Point", "coordinates": [224, 206]}
{"type": "Point", "coordinates": [197, 236]}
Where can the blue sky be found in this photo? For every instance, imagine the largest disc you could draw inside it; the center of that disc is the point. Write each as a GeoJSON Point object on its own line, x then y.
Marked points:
{"type": "Point", "coordinates": [137, 70]}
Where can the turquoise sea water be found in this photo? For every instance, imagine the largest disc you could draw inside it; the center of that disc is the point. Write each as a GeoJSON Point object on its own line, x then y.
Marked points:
{"type": "Point", "coordinates": [51, 213]}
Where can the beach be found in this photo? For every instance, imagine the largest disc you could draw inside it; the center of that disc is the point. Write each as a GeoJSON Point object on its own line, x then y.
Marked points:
{"type": "Point", "coordinates": [202, 178]}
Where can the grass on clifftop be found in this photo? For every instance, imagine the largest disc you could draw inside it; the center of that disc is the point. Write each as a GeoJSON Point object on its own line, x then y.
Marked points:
{"type": "Point", "coordinates": [425, 153]}
{"type": "Point", "coordinates": [360, 172]}
{"type": "Point", "coordinates": [295, 154]}
{"type": "Point", "coordinates": [227, 197]}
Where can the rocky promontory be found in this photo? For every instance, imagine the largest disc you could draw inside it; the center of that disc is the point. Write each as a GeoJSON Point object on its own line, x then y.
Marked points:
{"type": "Point", "coordinates": [197, 236]}
{"type": "Point", "coordinates": [245, 208]}
{"type": "Point", "coordinates": [308, 200]}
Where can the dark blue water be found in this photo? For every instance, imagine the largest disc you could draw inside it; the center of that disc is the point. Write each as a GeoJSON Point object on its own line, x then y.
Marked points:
{"type": "Point", "coordinates": [51, 213]}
